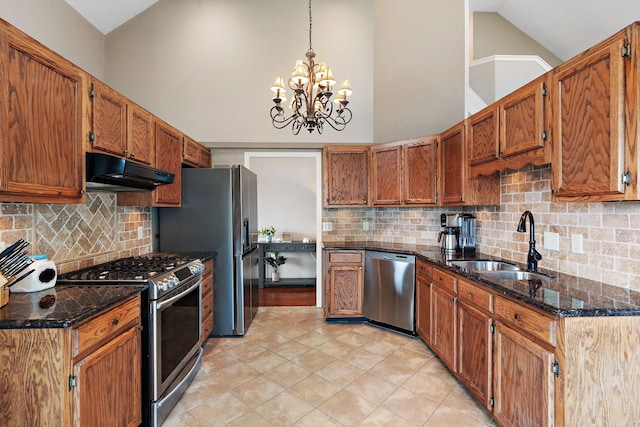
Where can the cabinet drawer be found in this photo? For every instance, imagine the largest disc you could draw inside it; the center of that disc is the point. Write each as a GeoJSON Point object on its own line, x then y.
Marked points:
{"type": "Point", "coordinates": [424, 270]}
{"type": "Point", "coordinates": [445, 280]}
{"type": "Point", "coordinates": [106, 326]}
{"type": "Point", "coordinates": [475, 295]}
{"type": "Point", "coordinates": [344, 257]}
{"type": "Point", "coordinates": [529, 321]}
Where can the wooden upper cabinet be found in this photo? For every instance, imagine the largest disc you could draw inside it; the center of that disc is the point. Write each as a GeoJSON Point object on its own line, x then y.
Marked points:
{"type": "Point", "coordinates": [41, 107]}
{"type": "Point", "coordinates": [522, 124]}
{"type": "Point", "coordinates": [346, 176]}
{"type": "Point", "coordinates": [452, 165]}
{"type": "Point", "coordinates": [482, 136]}
{"type": "Point", "coordinates": [195, 154]}
{"type": "Point", "coordinates": [420, 171]}
{"type": "Point", "coordinates": [168, 158]}
{"type": "Point", "coordinates": [587, 115]}
{"type": "Point", "coordinates": [140, 135]}
{"type": "Point", "coordinates": [118, 126]}
{"type": "Point", "coordinates": [386, 174]}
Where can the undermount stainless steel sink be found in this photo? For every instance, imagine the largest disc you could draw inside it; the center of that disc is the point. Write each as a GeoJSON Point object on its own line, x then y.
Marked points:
{"type": "Point", "coordinates": [514, 275]}
{"type": "Point", "coordinates": [479, 265]}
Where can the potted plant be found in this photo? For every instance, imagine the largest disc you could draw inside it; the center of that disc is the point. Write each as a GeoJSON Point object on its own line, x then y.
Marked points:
{"type": "Point", "coordinates": [275, 260]}
{"type": "Point", "coordinates": [267, 233]}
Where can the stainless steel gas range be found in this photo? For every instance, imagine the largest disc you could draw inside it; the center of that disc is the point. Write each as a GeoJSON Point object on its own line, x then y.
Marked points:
{"type": "Point", "coordinates": [171, 319]}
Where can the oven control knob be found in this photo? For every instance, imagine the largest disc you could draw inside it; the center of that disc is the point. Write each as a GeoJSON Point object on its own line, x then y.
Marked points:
{"type": "Point", "coordinates": [173, 282]}
{"type": "Point", "coordinates": [162, 285]}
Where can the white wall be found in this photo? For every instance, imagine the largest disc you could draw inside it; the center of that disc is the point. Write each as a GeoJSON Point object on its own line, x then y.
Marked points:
{"type": "Point", "coordinates": [419, 67]}
{"type": "Point", "coordinates": [206, 67]}
{"type": "Point", "coordinates": [58, 26]}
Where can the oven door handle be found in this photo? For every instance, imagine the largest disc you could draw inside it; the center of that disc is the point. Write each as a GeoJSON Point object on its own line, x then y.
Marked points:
{"type": "Point", "coordinates": [160, 305]}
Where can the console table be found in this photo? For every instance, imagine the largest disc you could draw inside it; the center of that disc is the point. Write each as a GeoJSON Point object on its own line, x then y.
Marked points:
{"type": "Point", "coordinates": [282, 247]}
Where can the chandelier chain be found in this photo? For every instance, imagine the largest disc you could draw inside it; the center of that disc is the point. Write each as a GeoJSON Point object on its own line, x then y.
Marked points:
{"type": "Point", "coordinates": [310, 27]}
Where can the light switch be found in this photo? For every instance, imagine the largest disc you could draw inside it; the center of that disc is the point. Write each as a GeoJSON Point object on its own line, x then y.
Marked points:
{"type": "Point", "coordinates": [365, 225]}
{"type": "Point", "coordinates": [140, 232]}
{"type": "Point", "coordinates": [551, 241]}
{"type": "Point", "coordinates": [327, 226]}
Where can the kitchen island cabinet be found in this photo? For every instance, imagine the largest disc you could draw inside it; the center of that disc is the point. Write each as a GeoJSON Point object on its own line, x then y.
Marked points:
{"type": "Point", "coordinates": [42, 134]}
{"type": "Point", "coordinates": [77, 362]}
{"type": "Point", "coordinates": [346, 176]}
{"type": "Point", "coordinates": [344, 283]}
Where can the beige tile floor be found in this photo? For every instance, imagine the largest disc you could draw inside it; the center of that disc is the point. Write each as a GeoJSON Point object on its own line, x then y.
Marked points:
{"type": "Point", "coordinates": [293, 369]}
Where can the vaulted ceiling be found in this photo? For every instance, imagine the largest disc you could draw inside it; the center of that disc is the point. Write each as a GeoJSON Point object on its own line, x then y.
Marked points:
{"type": "Point", "coordinates": [565, 27]}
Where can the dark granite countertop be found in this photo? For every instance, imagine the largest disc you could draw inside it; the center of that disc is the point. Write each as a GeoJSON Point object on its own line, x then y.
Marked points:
{"type": "Point", "coordinates": [576, 296]}
{"type": "Point", "coordinates": [72, 304]}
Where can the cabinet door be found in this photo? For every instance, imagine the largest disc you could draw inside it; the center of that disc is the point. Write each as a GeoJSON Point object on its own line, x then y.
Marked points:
{"type": "Point", "coordinates": [194, 154]}
{"type": "Point", "coordinates": [452, 165]}
{"type": "Point", "coordinates": [420, 171]}
{"type": "Point", "coordinates": [443, 325]}
{"type": "Point", "coordinates": [522, 120]}
{"type": "Point", "coordinates": [587, 103]}
{"type": "Point", "coordinates": [141, 146]}
{"type": "Point", "coordinates": [107, 391]}
{"type": "Point", "coordinates": [386, 170]}
{"type": "Point", "coordinates": [346, 176]}
{"type": "Point", "coordinates": [109, 119]}
{"type": "Point", "coordinates": [524, 384]}
{"type": "Point", "coordinates": [168, 158]}
{"type": "Point", "coordinates": [41, 107]}
{"type": "Point", "coordinates": [482, 137]}
{"type": "Point", "coordinates": [474, 352]}
{"type": "Point", "coordinates": [423, 309]}
{"type": "Point", "coordinates": [346, 285]}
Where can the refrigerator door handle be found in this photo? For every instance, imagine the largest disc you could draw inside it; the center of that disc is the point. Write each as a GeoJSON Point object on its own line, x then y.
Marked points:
{"type": "Point", "coordinates": [246, 237]}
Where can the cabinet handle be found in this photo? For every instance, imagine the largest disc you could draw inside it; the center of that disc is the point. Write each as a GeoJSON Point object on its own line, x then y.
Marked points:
{"type": "Point", "coordinates": [516, 316]}
{"type": "Point", "coordinates": [470, 295]}
{"type": "Point", "coordinates": [115, 322]}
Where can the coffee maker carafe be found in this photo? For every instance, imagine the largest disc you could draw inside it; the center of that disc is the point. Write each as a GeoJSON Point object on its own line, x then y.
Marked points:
{"type": "Point", "coordinates": [467, 241]}
{"type": "Point", "coordinates": [449, 237]}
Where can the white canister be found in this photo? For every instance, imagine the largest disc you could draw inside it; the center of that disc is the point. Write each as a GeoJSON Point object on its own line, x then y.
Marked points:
{"type": "Point", "coordinates": [43, 277]}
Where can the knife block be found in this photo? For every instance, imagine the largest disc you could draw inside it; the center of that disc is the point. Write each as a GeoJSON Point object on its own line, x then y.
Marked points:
{"type": "Point", "coordinates": [4, 296]}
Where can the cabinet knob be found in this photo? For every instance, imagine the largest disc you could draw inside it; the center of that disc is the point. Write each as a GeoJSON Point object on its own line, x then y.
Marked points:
{"type": "Point", "coordinates": [115, 322]}
{"type": "Point", "coordinates": [470, 295]}
{"type": "Point", "coordinates": [516, 316]}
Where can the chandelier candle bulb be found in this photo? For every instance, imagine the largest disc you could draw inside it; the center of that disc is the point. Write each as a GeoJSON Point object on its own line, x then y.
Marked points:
{"type": "Point", "coordinates": [311, 104]}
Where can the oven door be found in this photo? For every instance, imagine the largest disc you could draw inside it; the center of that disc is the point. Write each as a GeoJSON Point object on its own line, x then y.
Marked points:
{"type": "Point", "coordinates": [176, 322]}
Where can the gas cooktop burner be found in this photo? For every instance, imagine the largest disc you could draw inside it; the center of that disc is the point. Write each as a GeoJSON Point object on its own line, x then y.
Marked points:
{"type": "Point", "coordinates": [133, 268]}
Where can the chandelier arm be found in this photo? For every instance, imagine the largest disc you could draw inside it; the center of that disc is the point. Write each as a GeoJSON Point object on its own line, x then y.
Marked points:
{"type": "Point", "coordinates": [278, 119]}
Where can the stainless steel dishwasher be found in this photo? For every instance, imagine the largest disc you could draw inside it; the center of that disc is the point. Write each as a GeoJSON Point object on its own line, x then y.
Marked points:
{"type": "Point", "coordinates": [389, 290]}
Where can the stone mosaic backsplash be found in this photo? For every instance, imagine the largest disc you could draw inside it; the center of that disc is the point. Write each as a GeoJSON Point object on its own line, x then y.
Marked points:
{"type": "Point", "coordinates": [76, 236]}
{"type": "Point", "coordinates": [610, 231]}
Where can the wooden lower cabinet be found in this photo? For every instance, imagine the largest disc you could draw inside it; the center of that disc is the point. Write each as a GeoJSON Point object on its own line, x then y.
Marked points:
{"type": "Point", "coordinates": [475, 351]}
{"type": "Point", "coordinates": [344, 283]}
{"type": "Point", "coordinates": [524, 382]}
{"type": "Point", "coordinates": [443, 321]}
{"type": "Point", "coordinates": [87, 375]}
{"type": "Point", "coordinates": [423, 300]}
{"type": "Point", "coordinates": [207, 300]}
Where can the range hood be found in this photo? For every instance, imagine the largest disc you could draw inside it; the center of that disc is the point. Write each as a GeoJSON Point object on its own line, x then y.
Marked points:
{"type": "Point", "coordinates": [111, 173]}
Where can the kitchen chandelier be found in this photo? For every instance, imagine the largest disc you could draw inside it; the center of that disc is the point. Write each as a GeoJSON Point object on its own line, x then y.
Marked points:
{"type": "Point", "coordinates": [311, 103]}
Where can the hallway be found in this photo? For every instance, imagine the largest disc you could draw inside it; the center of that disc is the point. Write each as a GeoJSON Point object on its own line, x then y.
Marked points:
{"type": "Point", "coordinates": [293, 369]}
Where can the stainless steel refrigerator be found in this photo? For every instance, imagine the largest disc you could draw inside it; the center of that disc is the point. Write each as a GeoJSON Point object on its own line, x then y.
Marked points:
{"type": "Point", "coordinates": [219, 213]}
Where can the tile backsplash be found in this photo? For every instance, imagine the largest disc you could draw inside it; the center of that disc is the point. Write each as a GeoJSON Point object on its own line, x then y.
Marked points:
{"type": "Point", "coordinates": [610, 232]}
{"type": "Point", "coordinates": [75, 235]}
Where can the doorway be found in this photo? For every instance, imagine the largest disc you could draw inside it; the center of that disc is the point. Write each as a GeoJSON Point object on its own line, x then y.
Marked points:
{"type": "Point", "coordinates": [290, 199]}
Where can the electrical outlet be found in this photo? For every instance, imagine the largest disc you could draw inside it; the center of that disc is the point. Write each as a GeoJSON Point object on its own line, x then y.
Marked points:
{"type": "Point", "coordinates": [551, 241]}
{"type": "Point", "coordinates": [140, 232]}
{"type": "Point", "coordinates": [327, 226]}
{"type": "Point", "coordinates": [577, 303]}
{"type": "Point", "coordinates": [576, 243]}
{"type": "Point", "coordinates": [552, 297]}
{"type": "Point", "coordinates": [365, 225]}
